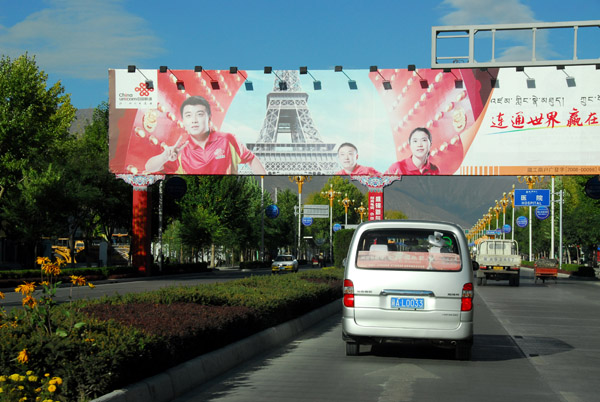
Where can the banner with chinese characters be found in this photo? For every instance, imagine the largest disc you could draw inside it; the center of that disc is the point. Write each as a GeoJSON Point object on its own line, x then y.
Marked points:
{"type": "Point", "coordinates": [388, 122]}
{"type": "Point", "coordinates": [375, 205]}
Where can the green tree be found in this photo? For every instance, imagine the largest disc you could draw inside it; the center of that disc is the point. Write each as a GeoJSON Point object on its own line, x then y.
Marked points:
{"type": "Point", "coordinates": [393, 214]}
{"type": "Point", "coordinates": [34, 123]}
{"type": "Point", "coordinates": [281, 232]}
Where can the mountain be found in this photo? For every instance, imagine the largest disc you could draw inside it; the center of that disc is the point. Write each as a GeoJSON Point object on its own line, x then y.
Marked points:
{"type": "Point", "coordinates": [459, 199]}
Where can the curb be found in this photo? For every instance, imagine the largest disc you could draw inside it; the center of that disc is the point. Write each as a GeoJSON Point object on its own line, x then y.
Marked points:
{"type": "Point", "coordinates": [183, 378]}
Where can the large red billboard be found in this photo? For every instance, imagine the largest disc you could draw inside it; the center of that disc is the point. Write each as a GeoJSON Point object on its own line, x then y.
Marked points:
{"type": "Point", "coordinates": [373, 122]}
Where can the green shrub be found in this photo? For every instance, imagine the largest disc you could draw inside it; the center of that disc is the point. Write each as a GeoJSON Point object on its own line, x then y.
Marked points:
{"type": "Point", "coordinates": [585, 272]}
{"type": "Point", "coordinates": [108, 343]}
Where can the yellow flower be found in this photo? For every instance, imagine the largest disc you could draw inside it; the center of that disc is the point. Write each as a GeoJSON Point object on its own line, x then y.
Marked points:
{"type": "Point", "coordinates": [45, 283]}
{"type": "Point", "coordinates": [43, 260]}
{"type": "Point", "coordinates": [2, 378]}
{"type": "Point", "coordinates": [26, 288]}
{"type": "Point", "coordinates": [52, 388]}
{"type": "Point", "coordinates": [46, 375]}
{"type": "Point", "coordinates": [29, 372]}
{"type": "Point", "coordinates": [91, 285]}
{"type": "Point", "coordinates": [77, 280]}
{"type": "Point", "coordinates": [58, 380]}
{"type": "Point", "coordinates": [32, 378]}
{"type": "Point", "coordinates": [29, 301]}
{"type": "Point", "coordinates": [23, 357]}
{"type": "Point", "coordinates": [14, 377]}
{"type": "Point", "coordinates": [1, 295]}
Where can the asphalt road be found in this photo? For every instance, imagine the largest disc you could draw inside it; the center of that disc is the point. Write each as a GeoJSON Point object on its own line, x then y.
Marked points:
{"type": "Point", "coordinates": [535, 342]}
{"type": "Point", "coordinates": [532, 343]}
{"type": "Point", "coordinates": [112, 287]}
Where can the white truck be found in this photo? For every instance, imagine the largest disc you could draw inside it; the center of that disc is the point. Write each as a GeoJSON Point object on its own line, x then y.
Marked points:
{"type": "Point", "coordinates": [498, 260]}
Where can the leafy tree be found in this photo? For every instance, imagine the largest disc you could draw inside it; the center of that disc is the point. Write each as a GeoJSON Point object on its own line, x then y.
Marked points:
{"type": "Point", "coordinates": [282, 232]}
{"type": "Point", "coordinates": [393, 214]}
{"type": "Point", "coordinates": [34, 119]}
{"type": "Point", "coordinates": [343, 188]}
{"type": "Point", "coordinates": [234, 201]}
{"type": "Point", "coordinates": [34, 123]}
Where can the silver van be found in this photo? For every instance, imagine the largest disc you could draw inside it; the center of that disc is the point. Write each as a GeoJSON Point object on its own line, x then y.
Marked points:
{"type": "Point", "coordinates": [406, 281]}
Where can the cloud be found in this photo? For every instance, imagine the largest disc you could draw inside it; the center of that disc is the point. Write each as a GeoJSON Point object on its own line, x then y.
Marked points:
{"type": "Point", "coordinates": [514, 46]}
{"type": "Point", "coordinates": [81, 38]}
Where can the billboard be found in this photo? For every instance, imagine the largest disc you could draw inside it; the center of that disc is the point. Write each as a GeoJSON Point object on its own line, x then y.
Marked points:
{"type": "Point", "coordinates": [392, 122]}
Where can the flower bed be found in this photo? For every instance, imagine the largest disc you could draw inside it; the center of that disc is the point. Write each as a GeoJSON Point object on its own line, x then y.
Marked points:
{"type": "Point", "coordinates": [97, 346]}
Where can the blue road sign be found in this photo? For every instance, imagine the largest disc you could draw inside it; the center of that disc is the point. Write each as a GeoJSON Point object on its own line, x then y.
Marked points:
{"type": "Point", "coordinates": [542, 213]}
{"type": "Point", "coordinates": [307, 221]}
{"type": "Point", "coordinates": [532, 198]}
{"type": "Point", "coordinates": [522, 221]}
{"type": "Point", "coordinates": [506, 228]}
{"type": "Point", "coordinates": [336, 227]}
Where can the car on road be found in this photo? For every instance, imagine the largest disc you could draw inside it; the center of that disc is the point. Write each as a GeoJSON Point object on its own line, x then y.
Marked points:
{"type": "Point", "coordinates": [283, 263]}
{"type": "Point", "coordinates": [408, 281]}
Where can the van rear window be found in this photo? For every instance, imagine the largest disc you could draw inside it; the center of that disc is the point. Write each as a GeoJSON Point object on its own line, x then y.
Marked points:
{"type": "Point", "coordinates": [409, 250]}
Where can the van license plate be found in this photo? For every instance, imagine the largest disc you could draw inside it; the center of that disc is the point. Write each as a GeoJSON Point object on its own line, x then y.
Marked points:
{"type": "Point", "coordinates": [414, 303]}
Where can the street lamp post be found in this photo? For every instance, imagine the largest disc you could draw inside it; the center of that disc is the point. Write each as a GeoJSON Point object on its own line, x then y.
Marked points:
{"type": "Point", "coordinates": [511, 195]}
{"type": "Point", "coordinates": [346, 202]}
{"type": "Point", "coordinates": [330, 194]}
{"type": "Point", "coordinates": [361, 211]}
{"type": "Point", "coordinates": [531, 181]}
{"type": "Point", "coordinates": [300, 180]}
{"type": "Point", "coordinates": [497, 209]}
{"type": "Point", "coordinates": [504, 204]}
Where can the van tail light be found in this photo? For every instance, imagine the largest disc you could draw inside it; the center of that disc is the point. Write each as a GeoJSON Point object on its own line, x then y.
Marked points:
{"type": "Point", "coordinates": [466, 302]}
{"type": "Point", "coordinates": [348, 293]}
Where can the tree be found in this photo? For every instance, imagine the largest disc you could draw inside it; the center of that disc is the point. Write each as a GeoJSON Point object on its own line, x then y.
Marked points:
{"type": "Point", "coordinates": [394, 215]}
{"type": "Point", "coordinates": [34, 119]}
{"type": "Point", "coordinates": [34, 123]}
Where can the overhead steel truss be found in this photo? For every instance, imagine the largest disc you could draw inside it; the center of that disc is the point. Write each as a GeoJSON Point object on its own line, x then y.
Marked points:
{"type": "Point", "coordinates": [466, 59]}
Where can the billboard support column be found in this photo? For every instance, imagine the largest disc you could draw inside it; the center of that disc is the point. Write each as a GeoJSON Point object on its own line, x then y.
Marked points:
{"type": "Point", "coordinates": [140, 236]}
{"type": "Point", "coordinates": [375, 184]}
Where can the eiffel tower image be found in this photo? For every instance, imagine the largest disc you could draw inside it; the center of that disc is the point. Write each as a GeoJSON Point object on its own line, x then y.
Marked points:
{"type": "Point", "coordinates": [289, 143]}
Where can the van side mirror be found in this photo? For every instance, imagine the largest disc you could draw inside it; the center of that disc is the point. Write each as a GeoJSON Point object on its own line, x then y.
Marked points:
{"type": "Point", "coordinates": [475, 265]}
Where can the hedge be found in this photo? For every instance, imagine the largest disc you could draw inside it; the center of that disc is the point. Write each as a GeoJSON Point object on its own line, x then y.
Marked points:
{"type": "Point", "coordinates": [105, 344]}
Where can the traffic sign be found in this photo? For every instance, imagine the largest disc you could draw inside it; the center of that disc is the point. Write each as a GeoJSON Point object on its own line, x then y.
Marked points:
{"type": "Point", "coordinates": [532, 198]}
{"type": "Point", "coordinates": [272, 211]}
{"type": "Point", "coordinates": [337, 227]}
{"type": "Point", "coordinates": [506, 228]}
{"type": "Point", "coordinates": [307, 221]}
{"type": "Point", "coordinates": [542, 213]}
{"type": "Point", "coordinates": [522, 221]}
{"type": "Point", "coordinates": [316, 211]}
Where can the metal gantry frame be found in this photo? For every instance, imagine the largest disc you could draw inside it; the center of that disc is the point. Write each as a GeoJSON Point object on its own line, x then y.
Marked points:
{"type": "Point", "coordinates": [469, 32]}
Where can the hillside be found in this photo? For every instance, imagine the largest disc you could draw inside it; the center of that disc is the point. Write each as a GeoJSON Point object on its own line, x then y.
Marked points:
{"type": "Point", "coordinates": [459, 199]}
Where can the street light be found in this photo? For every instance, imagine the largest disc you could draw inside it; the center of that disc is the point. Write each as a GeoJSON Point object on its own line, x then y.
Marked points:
{"type": "Point", "coordinates": [361, 211]}
{"type": "Point", "coordinates": [511, 195]}
{"type": "Point", "coordinates": [531, 181]}
{"type": "Point", "coordinates": [330, 194]}
{"type": "Point", "coordinates": [497, 209]}
{"type": "Point", "coordinates": [346, 202]}
{"type": "Point", "coordinates": [504, 204]}
{"type": "Point", "coordinates": [300, 180]}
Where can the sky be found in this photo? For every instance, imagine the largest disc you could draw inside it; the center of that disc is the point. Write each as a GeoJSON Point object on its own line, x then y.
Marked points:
{"type": "Point", "coordinates": [77, 41]}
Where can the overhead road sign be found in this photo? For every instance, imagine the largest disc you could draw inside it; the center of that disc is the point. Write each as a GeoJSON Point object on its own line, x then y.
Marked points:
{"type": "Point", "coordinates": [532, 198]}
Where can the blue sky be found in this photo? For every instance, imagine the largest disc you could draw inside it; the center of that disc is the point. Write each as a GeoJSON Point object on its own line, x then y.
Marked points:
{"type": "Point", "coordinates": [77, 41]}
